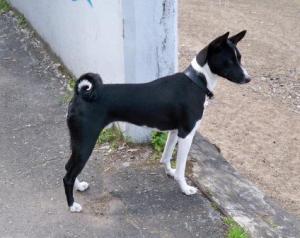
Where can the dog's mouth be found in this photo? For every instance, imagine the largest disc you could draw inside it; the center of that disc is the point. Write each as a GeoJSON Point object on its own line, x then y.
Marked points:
{"type": "Point", "coordinates": [245, 80]}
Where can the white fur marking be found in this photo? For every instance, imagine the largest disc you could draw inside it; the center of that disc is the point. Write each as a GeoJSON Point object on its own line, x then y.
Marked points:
{"type": "Point", "coordinates": [184, 146]}
{"type": "Point", "coordinates": [211, 78]}
{"type": "Point", "coordinates": [80, 186]}
{"type": "Point", "coordinates": [196, 66]}
{"type": "Point", "coordinates": [235, 52]}
{"type": "Point", "coordinates": [206, 103]}
{"type": "Point", "coordinates": [76, 207]}
{"type": "Point", "coordinates": [85, 83]}
{"type": "Point", "coordinates": [245, 72]}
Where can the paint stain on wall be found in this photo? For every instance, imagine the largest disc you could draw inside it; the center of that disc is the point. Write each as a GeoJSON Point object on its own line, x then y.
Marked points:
{"type": "Point", "coordinates": [89, 1]}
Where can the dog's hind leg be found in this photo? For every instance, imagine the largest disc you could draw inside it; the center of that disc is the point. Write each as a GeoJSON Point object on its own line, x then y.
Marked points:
{"type": "Point", "coordinates": [82, 145]}
{"type": "Point", "coordinates": [184, 145]}
{"type": "Point", "coordinates": [168, 151]}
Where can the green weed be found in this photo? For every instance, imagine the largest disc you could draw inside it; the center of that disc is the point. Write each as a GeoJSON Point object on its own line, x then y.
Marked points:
{"type": "Point", "coordinates": [113, 136]}
{"type": "Point", "coordinates": [215, 206]}
{"type": "Point", "coordinates": [158, 140]}
{"type": "Point", "coordinates": [69, 92]}
{"type": "Point", "coordinates": [234, 230]}
{"type": "Point", "coordinates": [71, 84]}
{"type": "Point", "coordinates": [21, 20]}
{"type": "Point", "coordinates": [173, 164]}
{"type": "Point", "coordinates": [4, 6]}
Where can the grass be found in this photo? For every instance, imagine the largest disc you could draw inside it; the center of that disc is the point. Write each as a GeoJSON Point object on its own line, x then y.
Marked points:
{"type": "Point", "coordinates": [22, 20]}
{"type": "Point", "coordinates": [71, 84]}
{"type": "Point", "coordinates": [234, 230]}
{"type": "Point", "coordinates": [113, 136]}
{"type": "Point", "coordinates": [70, 88]}
{"type": "Point", "coordinates": [158, 140]}
{"type": "Point", "coordinates": [4, 6]}
{"type": "Point", "coordinates": [215, 206]}
{"type": "Point", "coordinates": [110, 135]}
{"type": "Point", "coordinates": [173, 164]}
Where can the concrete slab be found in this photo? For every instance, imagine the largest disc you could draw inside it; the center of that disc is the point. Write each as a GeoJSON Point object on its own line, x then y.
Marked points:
{"type": "Point", "coordinates": [236, 196]}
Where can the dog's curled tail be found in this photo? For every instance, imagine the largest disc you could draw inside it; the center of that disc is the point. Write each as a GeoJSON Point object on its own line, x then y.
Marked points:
{"type": "Point", "coordinates": [87, 86]}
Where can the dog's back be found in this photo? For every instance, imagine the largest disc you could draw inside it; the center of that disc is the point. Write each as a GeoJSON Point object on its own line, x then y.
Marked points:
{"type": "Point", "coordinates": [163, 103]}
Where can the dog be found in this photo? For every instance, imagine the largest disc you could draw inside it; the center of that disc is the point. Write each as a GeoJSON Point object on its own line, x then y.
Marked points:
{"type": "Point", "coordinates": [173, 103]}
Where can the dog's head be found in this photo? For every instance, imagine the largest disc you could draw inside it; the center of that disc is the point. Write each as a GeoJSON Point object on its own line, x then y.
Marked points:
{"type": "Point", "coordinates": [224, 58]}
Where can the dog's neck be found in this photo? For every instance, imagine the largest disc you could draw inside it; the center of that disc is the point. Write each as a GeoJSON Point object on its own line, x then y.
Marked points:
{"type": "Point", "coordinates": [210, 77]}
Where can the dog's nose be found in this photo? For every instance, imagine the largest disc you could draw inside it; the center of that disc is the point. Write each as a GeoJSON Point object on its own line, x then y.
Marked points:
{"type": "Point", "coordinates": [247, 79]}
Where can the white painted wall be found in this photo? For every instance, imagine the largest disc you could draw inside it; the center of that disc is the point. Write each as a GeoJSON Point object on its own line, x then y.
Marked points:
{"type": "Point", "coordinates": [86, 38]}
{"type": "Point", "coordinates": [125, 41]}
{"type": "Point", "coordinates": [150, 45]}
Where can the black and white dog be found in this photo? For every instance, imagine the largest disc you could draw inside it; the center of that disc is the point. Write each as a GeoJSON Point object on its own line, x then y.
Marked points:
{"type": "Point", "coordinates": [173, 103]}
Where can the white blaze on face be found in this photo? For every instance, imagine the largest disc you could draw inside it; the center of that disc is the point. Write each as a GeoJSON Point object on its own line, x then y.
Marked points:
{"type": "Point", "coordinates": [241, 65]}
{"type": "Point", "coordinates": [245, 72]}
{"type": "Point", "coordinates": [236, 55]}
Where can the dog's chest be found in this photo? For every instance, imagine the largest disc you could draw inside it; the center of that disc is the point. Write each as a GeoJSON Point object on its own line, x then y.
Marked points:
{"type": "Point", "coordinates": [207, 102]}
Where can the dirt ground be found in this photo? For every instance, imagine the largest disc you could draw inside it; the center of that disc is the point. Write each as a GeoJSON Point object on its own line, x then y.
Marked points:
{"type": "Point", "coordinates": [257, 126]}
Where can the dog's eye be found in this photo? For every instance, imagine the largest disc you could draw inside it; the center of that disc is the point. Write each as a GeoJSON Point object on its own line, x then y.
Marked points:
{"type": "Point", "coordinates": [229, 62]}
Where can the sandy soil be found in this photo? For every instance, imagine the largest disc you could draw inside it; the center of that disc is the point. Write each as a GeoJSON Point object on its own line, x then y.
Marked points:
{"type": "Point", "coordinates": [257, 126]}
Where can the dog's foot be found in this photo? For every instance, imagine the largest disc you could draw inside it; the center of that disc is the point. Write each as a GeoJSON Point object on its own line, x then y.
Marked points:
{"type": "Point", "coordinates": [168, 169]}
{"type": "Point", "coordinates": [76, 207]}
{"type": "Point", "coordinates": [189, 190]}
{"type": "Point", "coordinates": [81, 186]}
{"type": "Point", "coordinates": [185, 188]}
{"type": "Point", "coordinates": [170, 172]}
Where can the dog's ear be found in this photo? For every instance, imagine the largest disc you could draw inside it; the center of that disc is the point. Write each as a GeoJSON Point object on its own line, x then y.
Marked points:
{"type": "Point", "coordinates": [219, 41]}
{"type": "Point", "coordinates": [215, 44]}
{"type": "Point", "coordinates": [202, 56]}
{"type": "Point", "coordinates": [236, 38]}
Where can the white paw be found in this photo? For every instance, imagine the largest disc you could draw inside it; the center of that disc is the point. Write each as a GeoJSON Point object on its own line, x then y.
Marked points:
{"type": "Point", "coordinates": [81, 186]}
{"type": "Point", "coordinates": [170, 172]}
{"type": "Point", "coordinates": [189, 190]}
{"type": "Point", "coordinates": [76, 207]}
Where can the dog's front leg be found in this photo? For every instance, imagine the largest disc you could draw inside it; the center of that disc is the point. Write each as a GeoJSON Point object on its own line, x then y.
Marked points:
{"type": "Point", "coordinates": [184, 145]}
{"type": "Point", "coordinates": [168, 151]}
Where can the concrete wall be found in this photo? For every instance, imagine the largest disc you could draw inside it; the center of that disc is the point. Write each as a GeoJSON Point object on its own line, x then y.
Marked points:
{"type": "Point", "coordinates": [125, 41]}
{"type": "Point", "coordinates": [86, 38]}
{"type": "Point", "coordinates": [150, 38]}
{"type": "Point", "coordinates": [150, 45]}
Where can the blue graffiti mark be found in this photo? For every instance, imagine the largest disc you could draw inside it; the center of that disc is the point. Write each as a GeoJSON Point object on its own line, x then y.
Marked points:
{"type": "Point", "coordinates": [89, 1]}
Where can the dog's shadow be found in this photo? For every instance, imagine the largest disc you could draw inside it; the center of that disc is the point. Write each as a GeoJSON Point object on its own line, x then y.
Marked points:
{"type": "Point", "coordinates": [145, 192]}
